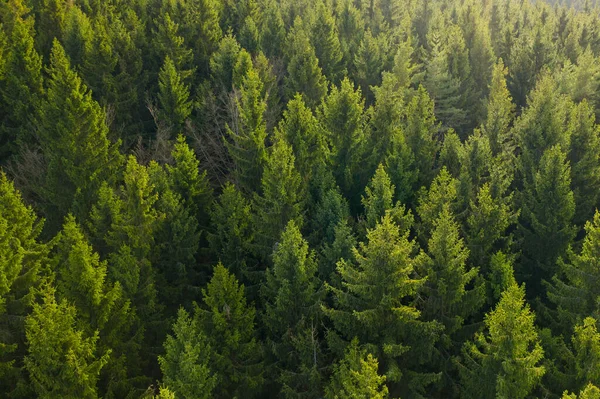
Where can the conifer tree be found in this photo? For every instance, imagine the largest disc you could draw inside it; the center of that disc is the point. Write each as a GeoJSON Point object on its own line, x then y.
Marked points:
{"type": "Point", "coordinates": [189, 182]}
{"type": "Point", "coordinates": [171, 45]}
{"type": "Point", "coordinates": [325, 40]}
{"type": "Point", "coordinates": [369, 62]}
{"type": "Point", "coordinates": [222, 63]}
{"type": "Point", "coordinates": [379, 200]}
{"type": "Point", "coordinates": [247, 146]}
{"type": "Point", "coordinates": [22, 259]}
{"type": "Point", "coordinates": [21, 88]}
{"type": "Point", "coordinates": [355, 376]}
{"type": "Point", "coordinates": [546, 221]}
{"type": "Point", "coordinates": [452, 153]}
{"type": "Point", "coordinates": [173, 96]}
{"type": "Point", "coordinates": [281, 201]}
{"type": "Point", "coordinates": [272, 29]}
{"type": "Point", "coordinates": [574, 289]}
{"type": "Point", "coordinates": [232, 236]}
{"type": "Point", "coordinates": [303, 72]}
{"type": "Point", "coordinates": [442, 193]}
{"type": "Point", "coordinates": [351, 29]}
{"type": "Point", "coordinates": [421, 130]}
{"type": "Point", "coordinates": [62, 360]}
{"type": "Point", "coordinates": [185, 364]}
{"type": "Point", "coordinates": [201, 30]}
{"type": "Point", "coordinates": [585, 161]}
{"type": "Point", "coordinates": [292, 298]}
{"type": "Point", "coordinates": [586, 342]}
{"type": "Point", "coordinates": [590, 392]}
{"type": "Point", "coordinates": [503, 361]}
{"type": "Point", "coordinates": [500, 110]}
{"type": "Point", "coordinates": [452, 292]}
{"type": "Point", "coordinates": [228, 323]}
{"type": "Point", "coordinates": [301, 130]}
{"type": "Point", "coordinates": [341, 114]}
{"type": "Point", "coordinates": [73, 133]}
{"type": "Point", "coordinates": [374, 305]}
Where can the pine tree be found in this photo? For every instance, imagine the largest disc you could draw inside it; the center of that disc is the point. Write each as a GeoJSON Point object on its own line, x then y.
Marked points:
{"type": "Point", "coordinates": [355, 376]}
{"type": "Point", "coordinates": [292, 298]}
{"type": "Point", "coordinates": [374, 304]}
{"type": "Point", "coordinates": [341, 115]}
{"type": "Point", "coordinates": [503, 361]}
{"type": "Point", "coordinates": [303, 72]}
{"type": "Point", "coordinates": [442, 193]}
{"type": "Point", "coordinates": [351, 29]}
{"type": "Point", "coordinates": [281, 201]}
{"type": "Point", "coordinates": [452, 153]}
{"type": "Point", "coordinates": [546, 220]}
{"type": "Point", "coordinates": [62, 360]}
{"type": "Point", "coordinates": [185, 364]}
{"type": "Point", "coordinates": [247, 146]}
{"type": "Point", "coordinates": [228, 323]}
{"type": "Point", "coordinates": [173, 96]}
{"type": "Point", "coordinates": [73, 134]}
{"type": "Point", "coordinates": [452, 292]}
{"type": "Point", "coordinates": [201, 30]}
{"type": "Point", "coordinates": [272, 29]}
{"type": "Point", "coordinates": [21, 88]}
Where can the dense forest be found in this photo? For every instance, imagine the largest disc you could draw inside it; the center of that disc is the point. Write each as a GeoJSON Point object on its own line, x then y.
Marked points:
{"type": "Point", "coordinates": [299, 199]}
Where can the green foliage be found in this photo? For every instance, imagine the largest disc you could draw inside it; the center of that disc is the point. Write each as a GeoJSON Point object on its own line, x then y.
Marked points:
{"type": "Point", "coordinates": [355, 376]}
{"type": "Point", "coordinates": [292, 298]}
{"type": "Point", "coordinates": [341, 115]}
{"type": "Point", "coordinates": [185, 364]}
{"type": "Point", "coordinates": [228, 323]}
{"type": "Point", "coordinates": [374, 305]}
{"type": "Point", "coordinates": [590, 392]}
{"type": "Point", "coordinates": [586, 342]}
{"type": "Point", "coordinates": [500, 111]}
{"type": "Point", "coordinates": [62, 360]}
{"type": "Point", "coordinates": [503, 361]}
{"type": "Point", "coordinates": [548, 208]}
{"type": "Point", "coordinates": [173, 96]}
{"type": "Point", "coordinates": [324, 38]}
{"type": "Point", "coordinates": [247, 145]}
{"type": "Point", "coordinates": [73, 133]}
{"type": "Point", "coordinates": [303, 72]}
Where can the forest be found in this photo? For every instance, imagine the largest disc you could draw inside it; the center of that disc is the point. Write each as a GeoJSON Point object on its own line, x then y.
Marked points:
{"type": "Point", "coordinates": [335, 199]}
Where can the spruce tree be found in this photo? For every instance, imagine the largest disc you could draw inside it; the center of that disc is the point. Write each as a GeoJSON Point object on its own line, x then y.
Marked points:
{"type": "Point", "coordinates": [356, 376]}
{"type": "Point", "coordinates": [341, 115]}
{"type": "Point", "coordinates": [247, 145]}
{"type": "Point", "coordinates": [589, 392]}
{"type": "Point", "coordinates": [500, 113]}
{"type": "Point", "coordinates": [62, 360]}
{"type": "Point", "coordinates": [421, 131]}
{"type": "Point", "coordinates": [374, 305]}
{"type": "Point", "coordinates": [20, 89]}
{"type": "Point", "coordinates": [503, 361]}
{"type": "Point", "coordinates": [585, 161]}
{"type": "Point", "coordinates": [452, 292]}
{"type": "Point", "coordinates": [170, 45]}
{"type": "Point", "coordinates": [22, 260]}
{"type": "Point", "coordinates": [546, 224]}
{"type": "Point", "coordinates": [325, 40]}
{"type": "Point", "coordinates": [586, 343]}
{"type": "Point", "coordinates": [574, 289]}
{"type": "Point", "coordinates": [292, 298]}
{"type": "Point", "coordinates": [303, 72]}
{"type": "Point", "coordinates": [222, 63]}
{"type": "Point", "coordinates": [228, 324]}
{"type": "Point", "coordinates": [73, 133]}
{"type": "Point", "coordinates": [185, 363]}
{"type": "Point", "coordinates": [369, 61]}
{"type": "Point", "coordinates": [282, 199]}
{"type": "Point", "coordinates": [173, 96]}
